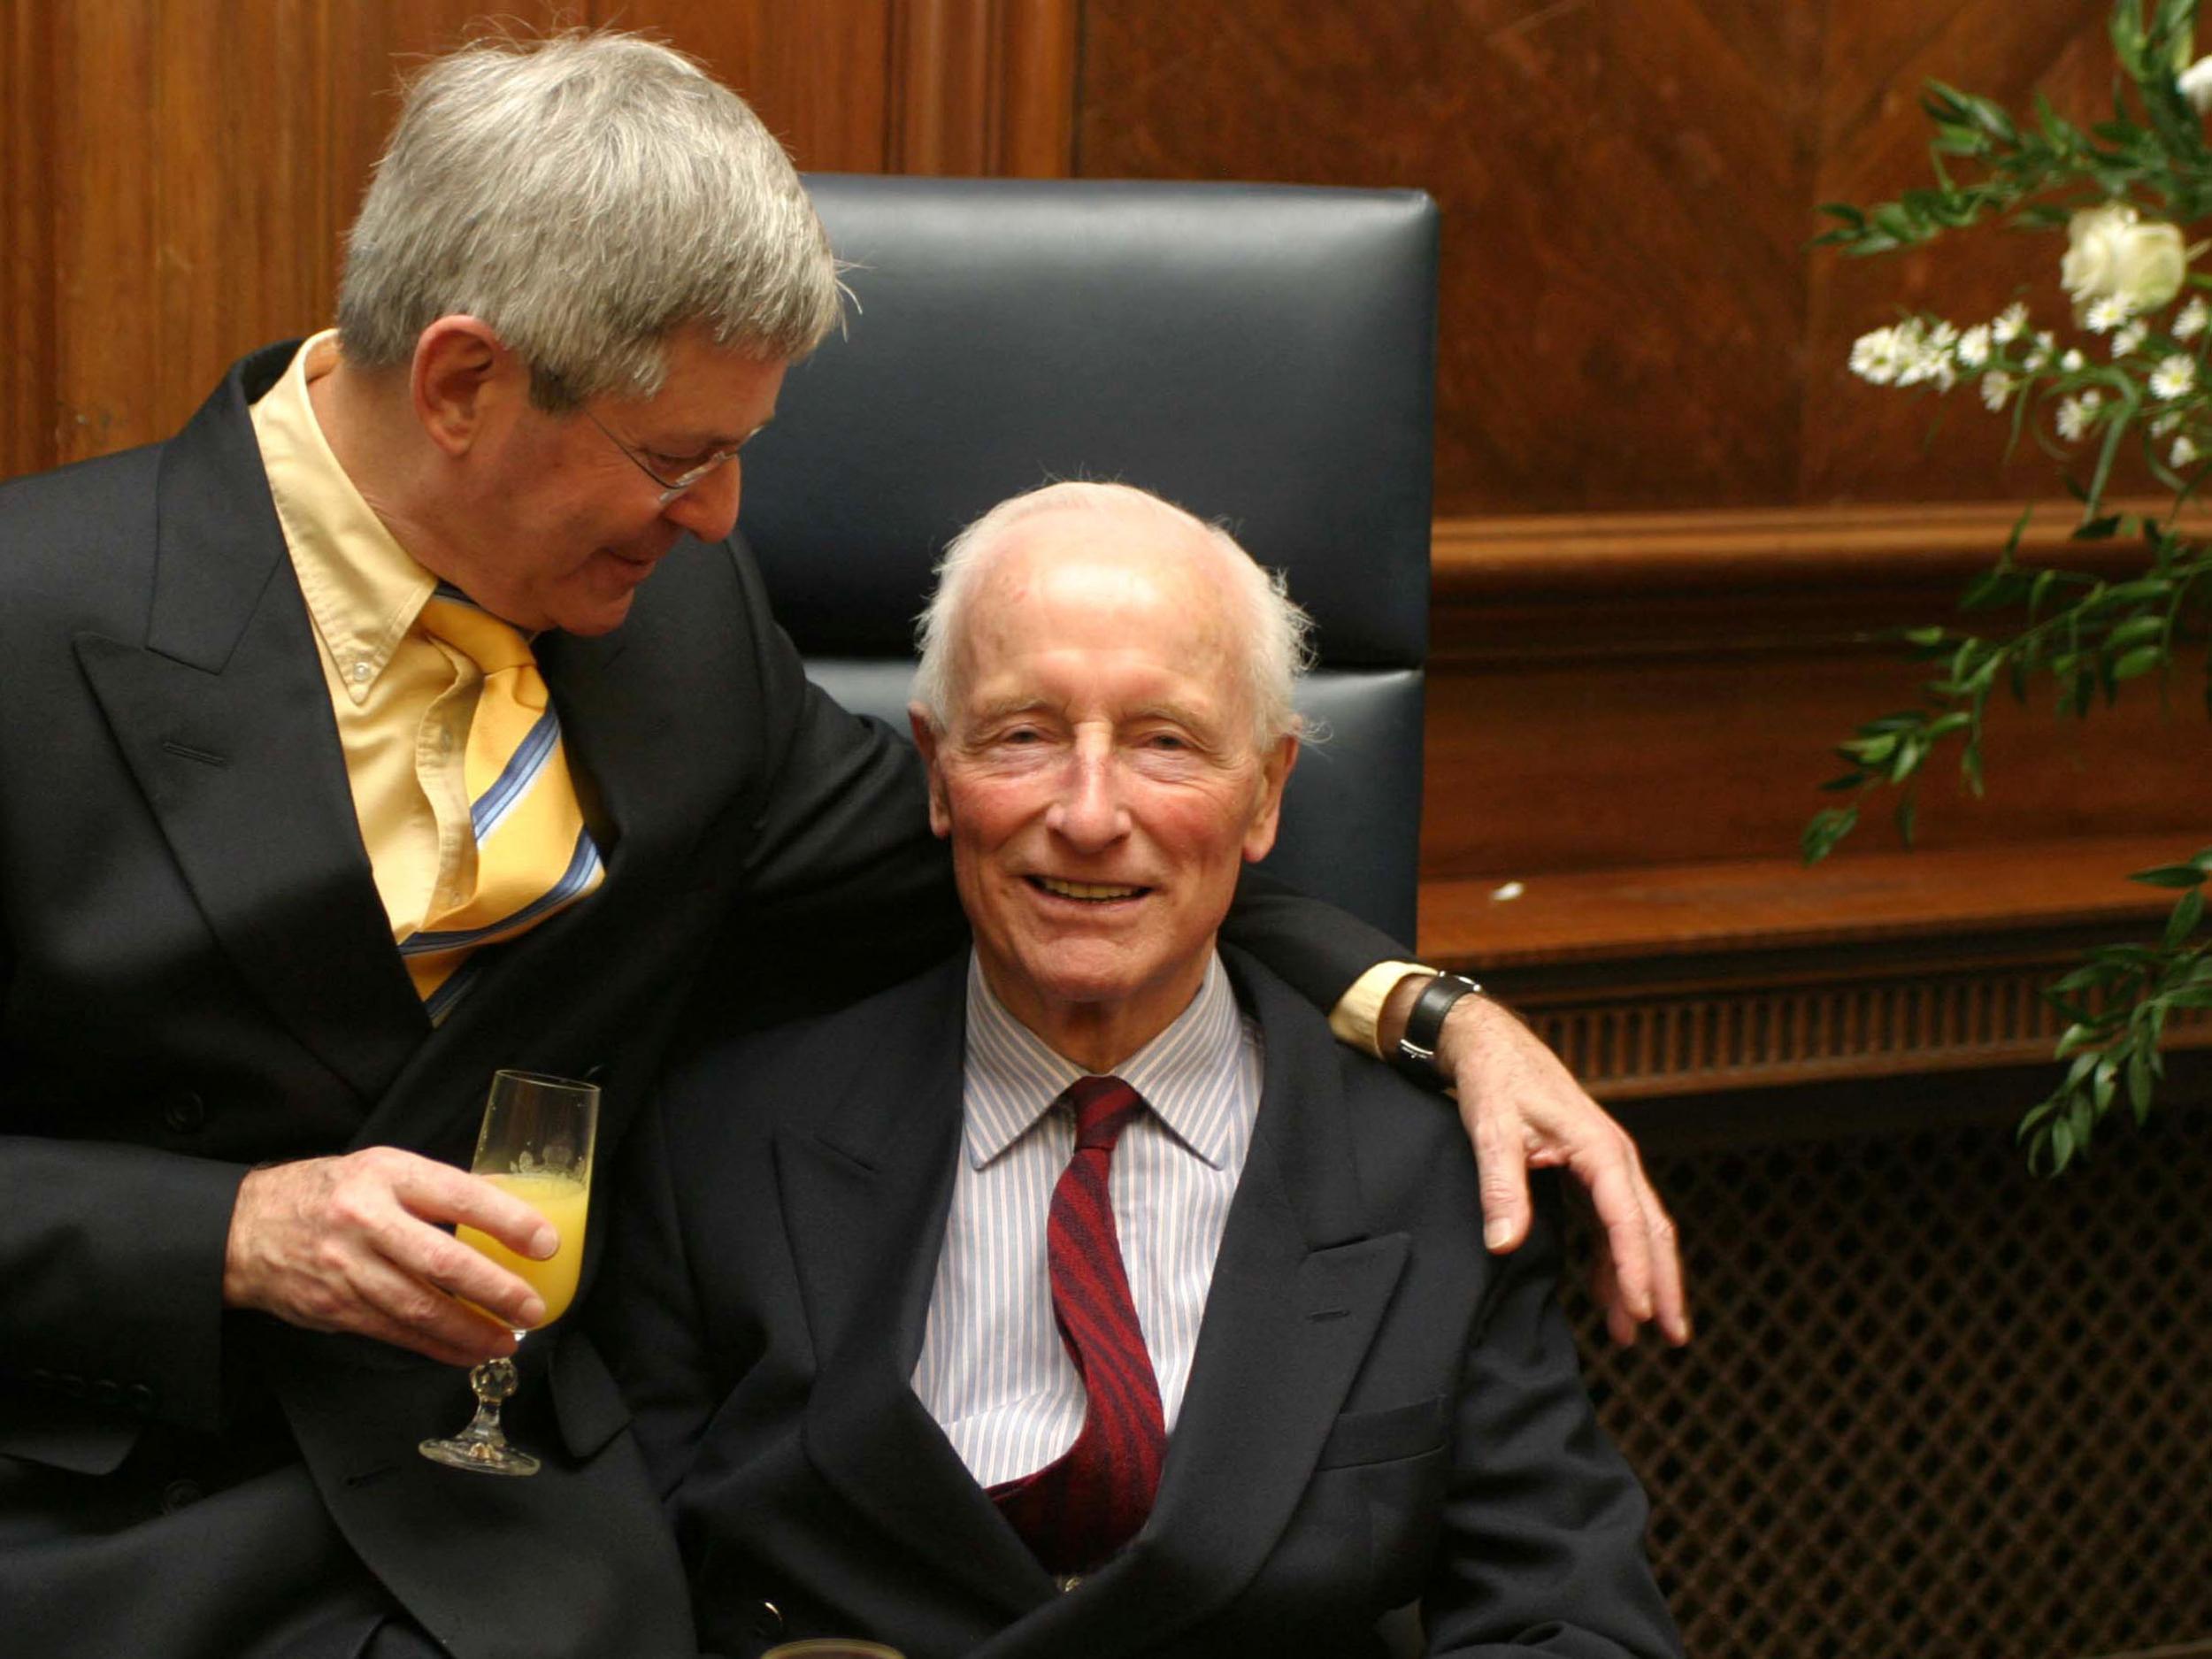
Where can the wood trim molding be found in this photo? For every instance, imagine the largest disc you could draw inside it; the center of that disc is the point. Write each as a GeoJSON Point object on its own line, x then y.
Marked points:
{"type": "Point", "coordinates": [1645, 1048]}
{"type": "Point", "coordinates": [983, 88]}
{"type": "Point", "coordinates": [1741, 974]}
{"type": "Point", "coordinates": [1760, 549]}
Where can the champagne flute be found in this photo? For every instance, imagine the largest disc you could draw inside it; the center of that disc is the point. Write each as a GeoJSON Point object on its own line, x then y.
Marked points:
{"type": "Point", "coordinates": [536, 1143]}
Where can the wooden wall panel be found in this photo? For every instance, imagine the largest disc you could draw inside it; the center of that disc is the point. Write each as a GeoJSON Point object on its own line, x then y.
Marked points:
{"type": "Point", "coordinates": [1629, 318]}
{"type": "Point", "coordinates": [29, 395]}
{"type": "Point", "coordinates": [179, 177]}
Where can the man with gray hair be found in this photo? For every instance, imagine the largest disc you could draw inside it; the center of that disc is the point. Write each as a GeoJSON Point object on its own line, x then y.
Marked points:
{"type": "Point", "coordinates": [349, 757]}
{"type": "Point", "coordinates": [1084, 1297]}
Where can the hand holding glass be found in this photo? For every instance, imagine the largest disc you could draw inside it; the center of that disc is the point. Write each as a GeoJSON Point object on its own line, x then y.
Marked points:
{"type": "Point", "coordinates": [536, 1144]}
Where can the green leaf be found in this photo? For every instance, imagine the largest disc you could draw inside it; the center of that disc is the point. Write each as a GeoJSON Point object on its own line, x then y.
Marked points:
{"type": "Point", "coordinates": [1924, 636]}
{"type": "Point", "coordinates": [1826, 828]}
{"type": "Point", "coordinates": [2061, 1145]}
{"type": "Point", "coordinates": [2096, 529]}
{"type": "Point", "coordinates": [2185, 919]}
{"type": "Point", "coordinates": [2142, 660]}
{"type": "Point", "coordinates": [2134, 629]}
{"type": "Point", "coordinates": [1907, 816]}
{"type": "Point", "coordinates": [1849, 780]}
{"type": "Point", "coordinates": [2169, 876]}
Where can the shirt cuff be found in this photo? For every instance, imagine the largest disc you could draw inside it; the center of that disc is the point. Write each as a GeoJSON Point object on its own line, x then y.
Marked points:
{"type": "Point", "coordinates": [1359, 1009]}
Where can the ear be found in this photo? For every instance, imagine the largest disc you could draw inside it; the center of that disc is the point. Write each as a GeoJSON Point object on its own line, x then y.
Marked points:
{"type": "Point", "coordinates": [463, 374]}
{"type": "Point", "coordinates": [925, 739]}
{"type": "Point", "coordinates": [1267, 815]}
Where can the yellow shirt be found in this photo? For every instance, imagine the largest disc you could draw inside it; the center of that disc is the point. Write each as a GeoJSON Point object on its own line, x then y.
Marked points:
{"type": "Point", "coordinates": [401, 702]}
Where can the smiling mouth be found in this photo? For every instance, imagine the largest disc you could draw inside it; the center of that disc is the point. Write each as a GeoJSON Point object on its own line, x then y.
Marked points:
{"type": "Point", "coordinates": [1089, 892]}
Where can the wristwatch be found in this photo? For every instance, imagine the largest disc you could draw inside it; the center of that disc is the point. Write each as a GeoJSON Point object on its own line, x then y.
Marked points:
{"type": "Point", "coordinates": [1416, 1048]}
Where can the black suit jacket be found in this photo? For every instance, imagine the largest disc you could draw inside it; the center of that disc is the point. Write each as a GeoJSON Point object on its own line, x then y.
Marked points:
{"type": "Point", "coordinates": [197, 976]}
{"type": "Point", "coordinates": [1377, 1411]}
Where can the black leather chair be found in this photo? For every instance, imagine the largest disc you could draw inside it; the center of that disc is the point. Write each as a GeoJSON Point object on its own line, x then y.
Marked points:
{"type": "Point", "coordinates": [1262, 355]}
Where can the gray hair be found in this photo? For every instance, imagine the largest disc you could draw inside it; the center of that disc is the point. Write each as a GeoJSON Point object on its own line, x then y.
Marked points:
{"type": "Point", "coordinates": [1276, 635]}
{"type": "Point", "coordinates": [585, 194]}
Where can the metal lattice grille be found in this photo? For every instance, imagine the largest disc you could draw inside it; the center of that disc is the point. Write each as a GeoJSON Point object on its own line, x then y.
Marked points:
{"type": "Point", "coordinates": [1935, 1406]}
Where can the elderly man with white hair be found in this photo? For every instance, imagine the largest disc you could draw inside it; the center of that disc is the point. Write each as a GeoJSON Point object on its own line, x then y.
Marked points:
{"type": "Point", "coordinates": [1082, 1296]}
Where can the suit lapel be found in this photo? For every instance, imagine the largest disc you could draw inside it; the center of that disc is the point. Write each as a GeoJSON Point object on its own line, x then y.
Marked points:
{"type": "Point", "coordinates": [865, 1200]}
{"type": "Point", "coordinates": [224, 719]}
{"type": "Point", "coordinates": [1298, 1295]}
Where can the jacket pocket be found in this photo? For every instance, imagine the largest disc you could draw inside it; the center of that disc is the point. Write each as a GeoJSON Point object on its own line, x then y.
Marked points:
{"type": "Point", "coordinates": [1385, 1435]}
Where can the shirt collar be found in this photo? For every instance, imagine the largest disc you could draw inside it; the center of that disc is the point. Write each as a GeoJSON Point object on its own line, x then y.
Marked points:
{"type": "Point", "coordinates": [1178, 1073]}
{"type": "Point", "coordinates": [362, 588]}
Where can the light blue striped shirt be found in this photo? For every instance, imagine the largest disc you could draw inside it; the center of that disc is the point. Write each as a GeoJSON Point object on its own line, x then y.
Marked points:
{"type": "Point", "coordinates": [993, 1369]}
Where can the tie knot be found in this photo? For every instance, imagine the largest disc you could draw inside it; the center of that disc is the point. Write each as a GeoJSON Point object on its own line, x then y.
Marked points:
{"type": "Point", "coordinates": [1105, 1106]}
{"type": "Point", "coordinates": [492, 645]}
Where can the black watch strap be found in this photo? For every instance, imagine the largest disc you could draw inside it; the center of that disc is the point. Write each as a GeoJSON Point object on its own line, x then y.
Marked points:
{"type": "Point", "coordinates": [1417, 1048]}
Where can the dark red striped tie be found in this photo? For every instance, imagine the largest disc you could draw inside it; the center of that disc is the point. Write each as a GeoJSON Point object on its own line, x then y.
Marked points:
{"type": "Point", "coordinates": [1077, 1511]}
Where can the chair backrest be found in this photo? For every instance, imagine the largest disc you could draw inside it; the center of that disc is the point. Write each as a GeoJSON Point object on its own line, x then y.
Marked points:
{"type": "Point", "coordinates": [1261, 354]}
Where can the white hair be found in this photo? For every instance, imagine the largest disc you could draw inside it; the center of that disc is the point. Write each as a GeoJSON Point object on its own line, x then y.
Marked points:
{"type": "Point", "coordinates": [586, 195]}
{"type": "Point", "coordinates": [1276, 635]}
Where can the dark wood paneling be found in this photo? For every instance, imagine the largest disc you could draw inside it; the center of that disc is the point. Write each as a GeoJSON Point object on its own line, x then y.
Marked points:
{"type": "Point", "coordinates": [28, 418]}
{"type": "Point", "coordinates": [178, 177]}
{"type": "Point", "coordinates": [1629, 318]}
{"type": "Point", "coordinates": [1665, 688]}
{"type": "Point", "coordinates": [819, 74]}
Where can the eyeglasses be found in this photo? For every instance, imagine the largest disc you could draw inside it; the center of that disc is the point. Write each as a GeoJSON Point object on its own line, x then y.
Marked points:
{"type": "Point", "coordinates": [671, 488]}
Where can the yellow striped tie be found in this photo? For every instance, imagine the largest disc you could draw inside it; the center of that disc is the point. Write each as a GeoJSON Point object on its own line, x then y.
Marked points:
{"type": "Point", "coordinates": [534, 856]}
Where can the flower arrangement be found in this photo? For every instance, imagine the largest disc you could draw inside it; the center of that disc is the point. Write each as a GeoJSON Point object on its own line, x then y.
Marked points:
{"type": "Point", "coordinates": [2128, 363]}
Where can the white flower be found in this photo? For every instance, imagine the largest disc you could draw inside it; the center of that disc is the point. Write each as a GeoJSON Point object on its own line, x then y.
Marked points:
{"type": "Point", "coordinates": [2175, 377]}
{"type": "Point", "coordinates": [2194, 316]}
{"type": "Point", "coordinates": [2196, 86]}
{"type": "Point", "coordinates": [2105, 315]}
{"type": "Point", "coordinates": [2110, 253]}
{"type": "Point", "coordinates": [1973, 347]}
{"type": "Point", "coordinates": [2161, 425]}
{"type": "Point", "coordinates": [2184, 452]}
{"type": "Point", "coordinates": [2073, 363]}
{"type": "Point", "coordinates": [2074, 414]}
{"type": "Point", "coordinates": [1997, 389]}
{"type": "Point", "coordinates": [2038, 355]}
{"type": "Point", "coordinates": [2130, 340]}
{"type": "Point", "coordinates": [2010, 323]}
{"type": "Point", "coordinates": [1876, 357]}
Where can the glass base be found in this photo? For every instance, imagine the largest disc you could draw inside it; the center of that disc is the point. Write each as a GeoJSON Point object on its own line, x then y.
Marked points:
{"type": "Point", "coordinates": [481, 1448]}
{"type": "Point", "coordinates": [479, 1456]}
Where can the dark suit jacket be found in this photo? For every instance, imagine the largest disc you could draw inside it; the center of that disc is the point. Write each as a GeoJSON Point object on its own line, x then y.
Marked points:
{"type": "Point", "coordinates": [197, 976]}
{"type": "Point", "coordinates": [1377, 1411]}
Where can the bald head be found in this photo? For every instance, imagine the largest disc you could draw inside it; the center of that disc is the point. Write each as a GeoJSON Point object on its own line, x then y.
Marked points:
{"type": "Point", "coordinates": [1114, 527]}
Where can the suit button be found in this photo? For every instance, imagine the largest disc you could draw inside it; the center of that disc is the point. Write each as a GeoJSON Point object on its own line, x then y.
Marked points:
{"type": "Point", "coordinates": [186, 1112]}
{"type": "Point", "coordinates": [107, 1392]}
{"type": "Point", "coordinates": [42, 1378]}
{"type": "Point", "coordinates": [142, 1399]}
{"type": "Point", "coordinates": [177, 1493]}
{"type": "Point", "coordinates": [72, 1385]}
{"type": "Point", "coordinates": [767, 1620]}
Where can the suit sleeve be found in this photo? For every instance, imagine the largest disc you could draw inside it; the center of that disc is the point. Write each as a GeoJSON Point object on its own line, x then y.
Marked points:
{"type": "Point", "coordinates": [843, 890]}
{"type": "Point", "coordinates": [1542, 1550]}
{"type": "Point", "coordinates": [1317, 947]}
{"type": "Point", "coordinates": [112, 1260]}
